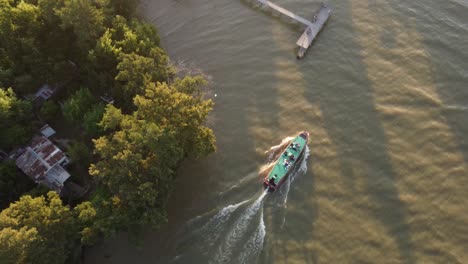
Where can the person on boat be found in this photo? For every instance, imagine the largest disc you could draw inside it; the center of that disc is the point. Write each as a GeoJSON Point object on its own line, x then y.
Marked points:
{"type": "Point", "coordinates": [286, 163]}
{"type": "Point", "coordinates": [291, 157]}
{"type": "Point", "coordinates": [272, 180]}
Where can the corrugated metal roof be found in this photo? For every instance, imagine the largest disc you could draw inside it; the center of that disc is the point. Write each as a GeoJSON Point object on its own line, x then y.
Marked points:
{"type": "Point", "coordinates": [41, 161]}
{"type": "Point", "coordinates": [45, 92]}
{"type": "Point", "coordinates": [47, 131]}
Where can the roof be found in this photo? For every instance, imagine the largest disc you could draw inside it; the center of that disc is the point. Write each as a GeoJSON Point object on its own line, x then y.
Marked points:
{"type": "Point", "coordinates": [56, 176]}
{"type": "Point", "coordinates": [107, 98]}
{"type": "Point", "coordinates": [45, 92]}
{"type": "Point", "coordinates": [41, 162]}
{"type": "Point", "coordinates": [47, 131]}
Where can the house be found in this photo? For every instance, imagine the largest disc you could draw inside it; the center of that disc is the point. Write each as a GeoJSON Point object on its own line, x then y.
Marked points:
{"type": "Point", "coordinates": [43, 162]}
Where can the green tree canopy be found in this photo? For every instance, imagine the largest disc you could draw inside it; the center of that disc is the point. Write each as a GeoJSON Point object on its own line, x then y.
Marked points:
{"type": "Point", "coordinates": [140, 155]}
{"type": "Point", "coordinates": [17, 244]}
{"type": "Point", "coordinates": [86, 19]}
{"type": "Point", "coordinates": [12, 184]}
{"type": "Point", "coordinates": [78, 104]}
{"type": "Point", "coordinates": [20, 24]}
{"type": "Point", "coordinates": [37, 230]}
{"type": "Point", "coordinates": [15, 120]}
{"type": "Point", "coordinates": [125, 56]}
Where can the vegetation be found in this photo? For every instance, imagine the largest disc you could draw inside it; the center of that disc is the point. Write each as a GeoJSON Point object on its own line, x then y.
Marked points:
{"type": "Point", "coordinates": [12, 185]}
{"type": "Point", "coordinates": [37, 230]}
{"type": "Point", "coordinates": [142, 151]}
{"type": "Point", "coordinates": [87, 49]}
{"type": "Point", "coordinates": [15, 120]}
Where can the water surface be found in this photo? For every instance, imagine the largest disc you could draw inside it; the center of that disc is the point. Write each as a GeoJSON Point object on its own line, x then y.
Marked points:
{"type": "Point", "coordinates": [383, 93]}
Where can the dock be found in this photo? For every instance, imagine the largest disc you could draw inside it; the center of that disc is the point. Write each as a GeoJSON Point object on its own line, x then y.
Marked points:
{"type": "Point", "coordinates": [312, 27]}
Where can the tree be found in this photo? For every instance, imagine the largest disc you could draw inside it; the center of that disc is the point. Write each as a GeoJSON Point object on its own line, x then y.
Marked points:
{"type": "Point", "coordinates": [126, 55]}
{"type": "Point", "coordinates": [38, 230]}
{"type": "Point", "coordinates": [20, 24]}
{"type": "Point", "coordinates": [78, 104]}
{"type": "Point", "coordinates": [92, 118]}
{"type": "Point", "coordinates": [49, 110]}
{"type": "Point", "coordinates": [15, 120]}
{"type": "Point", "coordinates": [140, 155]}
{"type": "Point", "coordinates": [16, 244]}
{"type": "Point", "coordinates": [181, 109]}
{"type": "Point", "coordinates": [79, 152]}
{"type": "Point", "coordinates": [103, 215]}
{"type": "Point", "coordinates": [124, 8]}
{"type": "Point", "coordinates": [134, 71]}
{"type": "Point", "coordinates": [85, 18]}
{"type": "Point", "coordinates": [12, 184]}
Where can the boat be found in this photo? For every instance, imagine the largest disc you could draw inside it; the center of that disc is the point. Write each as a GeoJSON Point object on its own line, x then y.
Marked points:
{"type": "Point", "coordinates": [289, 158]}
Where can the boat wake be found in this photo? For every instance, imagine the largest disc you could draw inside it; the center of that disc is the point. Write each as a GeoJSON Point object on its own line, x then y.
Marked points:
{"type": "Point", "coordinates": [215, 225]}
{"type": "Point", "coordinates": [221, 238]}
{"type": "Point", "coordinates": [237, 235]}
{"type": "Point", "coordinates": [254, 246]}
{"type": "Point", "coordinates": [456, 107]}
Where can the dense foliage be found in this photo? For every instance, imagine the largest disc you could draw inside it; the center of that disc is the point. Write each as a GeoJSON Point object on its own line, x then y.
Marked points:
{"type": "Point", "coordinates": [140, 155]}
{"type": "Point", "coordinates": [12, 183]}
{"type": "Point", "coordinates": [37, 230]}
{"type": "Point", "coordinates": [15, 120]}
{"type": "Point", "coordinates": [87, 49]}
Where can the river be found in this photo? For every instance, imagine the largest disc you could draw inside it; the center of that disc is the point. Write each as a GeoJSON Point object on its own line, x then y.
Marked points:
{"type": "Point", "coordinates": [383, 92]}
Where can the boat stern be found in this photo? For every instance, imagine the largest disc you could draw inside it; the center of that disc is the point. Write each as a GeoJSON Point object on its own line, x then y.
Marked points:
{"type": "Point", "coordinates": [267, 185]}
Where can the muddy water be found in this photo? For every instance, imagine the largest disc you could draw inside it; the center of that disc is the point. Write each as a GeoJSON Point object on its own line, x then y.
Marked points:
{"type": "Point", "coordinates": [383, 93]}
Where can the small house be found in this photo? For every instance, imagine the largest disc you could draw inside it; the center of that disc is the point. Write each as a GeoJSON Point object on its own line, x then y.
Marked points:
{"type": "Point", "coordinates": [43, 162]}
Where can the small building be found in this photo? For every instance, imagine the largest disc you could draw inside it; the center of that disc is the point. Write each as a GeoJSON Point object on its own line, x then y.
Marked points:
{"type": "Point", "coordinates": [47, 131]}
{"type": "Point", "coordinates": [107, 98]}
{"type": "Point", "coordinates": [43, 162]}
{"type": "Point", "coordinates": [45, 92]}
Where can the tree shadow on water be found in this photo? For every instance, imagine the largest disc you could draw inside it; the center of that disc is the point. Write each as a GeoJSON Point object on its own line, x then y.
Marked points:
{"type": "Point", "coordinates": [350, 117]}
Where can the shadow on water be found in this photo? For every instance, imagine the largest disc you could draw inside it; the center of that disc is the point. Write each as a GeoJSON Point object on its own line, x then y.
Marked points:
{"type": "Point", "coordinates": [236, 144]}
{"type": "Point", "coordinates": [355, 127]}
{"type": "Point", "coordinates": [281, 220]}
{"type": "Point", "coordinates": [236, 147]}
{"type": "Point", "coordinates": [288, 222]}
{"type": "Point", "coordinates": [448, 57]}
{"type": "Point", "coordinates": [198, 182]}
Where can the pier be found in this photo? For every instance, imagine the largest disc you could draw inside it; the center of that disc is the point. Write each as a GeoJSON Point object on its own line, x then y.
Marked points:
{"type": "Point", "coordinates": [312, 27]}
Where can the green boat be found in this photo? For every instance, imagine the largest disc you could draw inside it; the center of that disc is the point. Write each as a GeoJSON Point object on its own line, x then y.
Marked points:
{"type": "Point", "coordinates": [288, 159]}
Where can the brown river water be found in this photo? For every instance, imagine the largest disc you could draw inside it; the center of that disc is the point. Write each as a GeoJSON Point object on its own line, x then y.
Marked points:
{"type": "Point", "coordinates": [384, 94]}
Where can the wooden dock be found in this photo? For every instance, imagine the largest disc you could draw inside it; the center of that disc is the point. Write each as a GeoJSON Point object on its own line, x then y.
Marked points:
{"type": "Point", "coordinates": [312, 27]}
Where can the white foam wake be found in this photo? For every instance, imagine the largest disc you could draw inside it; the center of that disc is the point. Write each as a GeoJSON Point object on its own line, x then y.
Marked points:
{"type": "Point", "coordinates": [224, 252]}
{"type": "Point", "coordinates": [215, 225]}
{"type": "Point", "coordinates": [456, 107]}
{"type": "Point", "coordinates": [254, 246]}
